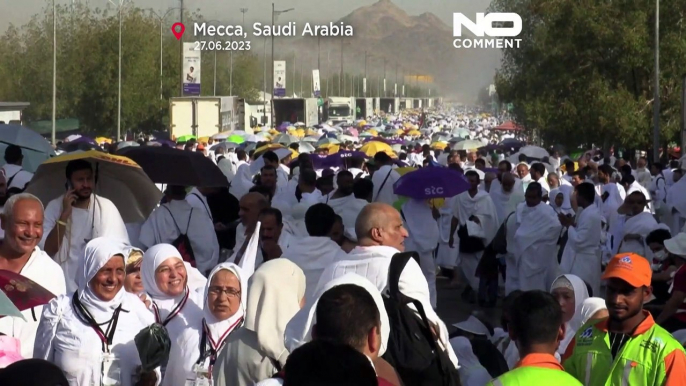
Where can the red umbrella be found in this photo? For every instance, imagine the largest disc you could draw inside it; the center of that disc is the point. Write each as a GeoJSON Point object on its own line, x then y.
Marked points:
{"type": "Point", "coordinates": [508, 126]}
{"type": "Point", "coordinates": [22, 291]}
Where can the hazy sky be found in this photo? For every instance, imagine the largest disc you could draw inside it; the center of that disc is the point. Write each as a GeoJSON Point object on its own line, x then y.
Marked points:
{"type": "Point", "coordinates": [19, 11]}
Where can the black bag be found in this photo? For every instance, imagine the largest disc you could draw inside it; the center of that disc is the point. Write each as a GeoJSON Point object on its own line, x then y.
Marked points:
{"type": "Point", "coordinates": [183, 243]}
{"type": "Point", "coordinates": [469, 244]}
{"type": "Point", "coordinates": [412, 348]}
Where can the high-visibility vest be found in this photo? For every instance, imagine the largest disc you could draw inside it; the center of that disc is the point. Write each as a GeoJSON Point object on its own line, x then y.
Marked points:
{"type": "Point", "coordinates": [534, 376]}
{"type": "Point", "coordinates": [640, 361]}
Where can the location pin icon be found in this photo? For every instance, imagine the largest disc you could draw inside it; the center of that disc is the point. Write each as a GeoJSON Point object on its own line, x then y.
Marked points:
{"type": "Point", "coordinates": [178, 32]}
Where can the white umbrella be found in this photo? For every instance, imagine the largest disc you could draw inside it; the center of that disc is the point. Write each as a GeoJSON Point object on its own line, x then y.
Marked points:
{"type": "Point", "coordinates": [310, 139]}
{"type": "Point", "coordinates": [252, 138]}
{"type": "Point", "coordinates": [297, 124]}
{"type": "Point", "coordinates": [345, 137]}
{"type": "Point", "coordinates": [285, 139]}
{"type": "Point", "coordinates": [222, 135]}
{"type": "Point", "coordinates": [259, 162]}
{"type": "Point", "coordinates": [263, 135]}
{"type": "Point", "coordinates": [305, 147]}
{"type": "Point", "coordinates": [468, 144]}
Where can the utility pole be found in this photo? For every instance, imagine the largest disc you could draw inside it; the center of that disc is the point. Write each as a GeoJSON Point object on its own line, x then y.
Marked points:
{"type": "Point", "coordinates": [243, 11]}
{"type": "Point", "coordinates": [318, 53]}
{"type": "Point", "coordinates": [683, 116]}
{"type": "Point", "coordinates": [340, 77]}
{"type": "Point", "coordinates": [294, 73]}
{"type": "Point", "coordinates": [181, 49]}
{"type": "Point", "coordinates": [54, 71]}
{"type": "Point", "coordinates": [656, 88]}
{"type": "Point", "coordinates": [395, 87]}
{"type": "Point", "coordinates": [384, 77]}
{"type": "Point", "coordinates": [328, 65]}
{"type": "Point", "coordinates": [302, 62]}
{"type": "Point", "coordinates": [364, 89]}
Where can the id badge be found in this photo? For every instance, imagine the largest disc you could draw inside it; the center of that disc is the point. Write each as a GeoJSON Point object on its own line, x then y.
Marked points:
{"type": "Point", "coordinates": [111, 370]}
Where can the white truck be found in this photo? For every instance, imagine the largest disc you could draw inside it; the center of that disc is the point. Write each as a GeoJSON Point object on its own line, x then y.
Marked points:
{"type": "Point", "coordinates": [340, 109]}
{"type": "Point", "coordinates": [202, 116]}
{"type": "Point", "coordinates": [365, 106]}
{"type": "Point", "coordinates": [390, 105]}
{"type": "Point", "coordinates": [252, 114]}
{"type": "Point", "coordinates": [11, 112]}
{"type": "Point", "coordinates": [295, 110]}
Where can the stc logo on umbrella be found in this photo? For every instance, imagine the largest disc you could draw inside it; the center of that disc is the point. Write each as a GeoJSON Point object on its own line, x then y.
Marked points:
{"type": "Point", "coordinates": [495, 25]}
{"type": "Point", "coordinates": [433, 190]}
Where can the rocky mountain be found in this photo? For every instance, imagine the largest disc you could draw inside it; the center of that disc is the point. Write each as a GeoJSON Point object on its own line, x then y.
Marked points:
{"type": "Point", "coordinates": [419, 44]}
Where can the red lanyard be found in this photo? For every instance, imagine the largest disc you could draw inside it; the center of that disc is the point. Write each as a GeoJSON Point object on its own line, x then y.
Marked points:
{"type": "Point", "coordinates": [83, 314]}
{"type": "Point", "coordinates": [216, 346]}
{"type": "Point", "coordinates": [173, 314]}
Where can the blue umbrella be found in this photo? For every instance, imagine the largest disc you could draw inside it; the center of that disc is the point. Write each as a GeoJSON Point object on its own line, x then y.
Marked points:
{"type": "Point", "coordinates": [431, 182]}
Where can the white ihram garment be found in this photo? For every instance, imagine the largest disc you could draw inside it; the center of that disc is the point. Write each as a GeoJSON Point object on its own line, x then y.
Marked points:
{"type": "Point", "coordinates": [581, 256]}
{"type": "Point", "coordinates": [423, 238]}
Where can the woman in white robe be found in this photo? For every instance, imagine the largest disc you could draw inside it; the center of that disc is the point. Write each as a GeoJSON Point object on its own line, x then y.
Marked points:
{"type": "Point", "coordinates": [186, 361]}
{"type": "Point", "coordinates": [90, 334]}
{"type": "Point", "coordinates": [257, 351]}
{"type": "Point", "coordinates": [571, 292]}
{"type": "Point", "coordinates": [173, 304]}
{"type": "Point", "coordinates": [472, 373]}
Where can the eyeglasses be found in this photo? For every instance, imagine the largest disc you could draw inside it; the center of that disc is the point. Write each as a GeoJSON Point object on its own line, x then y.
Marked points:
{"type": "Point", "coordinates": [230, 292]}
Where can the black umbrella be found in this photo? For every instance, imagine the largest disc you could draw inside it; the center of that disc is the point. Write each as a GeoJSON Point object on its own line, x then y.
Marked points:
{"type": "Point", "coordinates": [166, 165]}
{"type": "Point", "coordinates": [69, 147]}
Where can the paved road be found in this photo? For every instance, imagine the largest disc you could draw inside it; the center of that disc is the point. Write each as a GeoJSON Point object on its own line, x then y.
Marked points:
{"type": "Point", "coordinates": [452, 309]}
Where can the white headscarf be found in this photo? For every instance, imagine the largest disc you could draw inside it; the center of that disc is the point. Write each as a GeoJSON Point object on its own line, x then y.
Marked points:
{"type": "Point", "coordinates": [589, 308]}
{"type": "Point", "coordinates": [471, 371]}
{"type": "Point", "coordinates": [276, 290]}
{"type": "Point", "coordinates": [299, 329]}
{"type": "Point", "coordinates": [219, 328]}
{"type": "Point", "coordinates": [566, 207]}
{"type": "Point", "coordinates": [96, 254]}
{"type": "Point", "coordinates": [580, 295]}
{"type": "Point", "coordinates": [153, 258]}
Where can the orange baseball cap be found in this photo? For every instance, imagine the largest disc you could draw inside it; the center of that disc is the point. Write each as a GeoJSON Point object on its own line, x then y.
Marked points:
{"type": "Point", "coordinates": [630, 267]}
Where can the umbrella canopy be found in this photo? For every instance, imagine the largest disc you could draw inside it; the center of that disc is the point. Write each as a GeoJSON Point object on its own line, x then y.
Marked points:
{"type": "Point", "coordinates": [188, 168]}
{"type": "Point", "coordinates": [224, 145]}
{"type": "Point", "coordinates": [337, 159]}
{"type": "Point", "coordinates": [69, 147]}
{"type": "Point", "coordinates": [310, 139]}
{"type": "Point", "coordinates": [235, 138]}
{"type": "Point", "coordinates": [34, 147]}
{"type": "Point", "coordinates": [431, 182]}
{"type": "Point", "coordinates": [122, 145]}
{"type": "Point", "coordinates": [222, 135]}
{"type": "Point", "coordinates": [468, 144]}
{"type": "Point", "coordinates": [272, 146]}
{"type": "Point", "coordinates": [23, 292]}
{"type": "Point", "coordinates": [328, 141]}
{"type": "Point", "coordinates": [185, 138]}
{"type": "Point", "coordinates": [305, 147]}
{"type": "Point", "coordinates": [372, 147]}
{"type": "Point", "coordinates": [508, 126]}
{"type": "Point", "coordinates": [118, 179]}
{"type": "Point", "coordinates": [285, 139]}
{"type": "Point", "coordinates": [7, 308]}
{"type": "Point", "coordinates": [103, 140]}
{"type": "Point", "coordinates": [534, 152]}
{"type": "Point", "coordinates": [84, 139]}
{"type": "Point", "coordinates": [282, 153]}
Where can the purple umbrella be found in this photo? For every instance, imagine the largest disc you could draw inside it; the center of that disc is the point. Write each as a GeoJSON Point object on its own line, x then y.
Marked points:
{"type": "Point", "coordinates": [336, 159]}
{"type": "Point", "coordinates": [166, 142]}
{"type": "Point", "coordinates": [283, 126]}
{"type": "Point", "coordinates": [431, 182]}
{"type": "Point", "coordinates": [318, 161]}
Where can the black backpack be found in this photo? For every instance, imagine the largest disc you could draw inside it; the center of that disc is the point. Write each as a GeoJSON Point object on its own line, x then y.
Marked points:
{"type": "Point", "coordinates": [412, 349]}
{"type": "Point", "coordinates": [183, 243]}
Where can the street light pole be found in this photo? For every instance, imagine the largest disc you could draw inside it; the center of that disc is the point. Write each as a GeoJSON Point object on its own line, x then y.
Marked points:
{"type": "Point", "coordinates": [656, 87]}
{"type": "Point", "coordinates": [243, 11]}
{"type": "Point", "coordinates": [340, 77]}
{"type": "Point", "coordinates": [181, 48]}
{"type": "Point", "coordinates": [364, 89]}
{"type": "Point", "coordinates": [162, 18]}
{"type": "Point", "coordinates": [384, 77]}
{"type": "Point", "coordinates": [54, 71]}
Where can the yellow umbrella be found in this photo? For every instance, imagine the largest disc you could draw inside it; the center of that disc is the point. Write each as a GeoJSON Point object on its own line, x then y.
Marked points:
{"type": "Point", "coordinates": [414, 133]}
{"type": "Point", "coordinates": [399, 132]}
{"type": "Point", "coordinates": [119, 179]}
{"type": "Point", "coordinates": [439, 145]}
{"type": "Point", "coordinates": [257, 130]}
{"type": "Point", "coordinates": [273, 132]}
{"type": "Point", "coordinates": [300, 133]}
{"type": "Point", "coordinates": [271, 146]}
{"type": "Point", "coordinates": [332, 148]}
{"type": "Point", "coordinates": [103, 140]}
{"type": "Point", "coordinates": [204, 139]}
{"type": "Point", "coordinates": [294, 154]}
{"type": "Point", "coordinates": [361, 123]}
{"type": "Point", "coordinates": [372, 147]}
{"type": "Point", "coordinates": [311, 132]}
{"type": "Point", "coordinates": [564, 167]}
{"type": "Point", "coordinates": [373, 132]}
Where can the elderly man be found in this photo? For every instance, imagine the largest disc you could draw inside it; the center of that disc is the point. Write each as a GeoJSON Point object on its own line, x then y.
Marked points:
{"type": "Point", "coordinates": [380, 235]}
{"type": "Point", "coordinates": [273, 240]}
{"type": "Point", "coordinates": [250, 207]}
{"type": "Point", "coordinates": [506, 196]}
{"type": "Point", "coordinates": [343, 201]}
{"type": "Point", "coordinates": [77, 217]}
{"type": "Point", "coordinates": [22, 221]}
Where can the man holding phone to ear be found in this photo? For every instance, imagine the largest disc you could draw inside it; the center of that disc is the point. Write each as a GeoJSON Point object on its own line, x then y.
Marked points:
{"type": "Point", "coordinates": [77, 217]}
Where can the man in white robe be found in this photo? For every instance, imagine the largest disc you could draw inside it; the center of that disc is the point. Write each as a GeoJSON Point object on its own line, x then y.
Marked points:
{"type": "Point", "coordinates": [77, 217]}
{"type": "Point", "coordinates": [581, 256]}
{"type": "Point", "coordinates": [676, 203]}
{"type": "Point", "coordinates": [535, 241]}
{"type": "Point", "coordinates": [316, 251]}
{"type": "Point", "coordinates": [249, 206]}
{"type": "Point", "coordinates": [506, 195]}
{"type": "Point", "coordinates": [658, 191]}
{"type": "Point", "coordinates": [524, 175]}
{"type": "Point", "coordinates": [197, 198]}
{"type": "Point", "coordinates": [423, 236]}
{"type": "Point", "coordinates": [274, 239]}
{"type": "Point", "coordinates": [642, 174]}
{"type": "Point", "coordinates": [538, 174]}
{"type": "Point", "coordinates": [242, 181]}
{"type": "Point", "coordinates": [22, 220]}
{"type": "Point", "coordinates": [383, 179]}
{"type": "Point", "coordinates": [636, 226]}
{"type": "Point", "coordinates": [176, 217]}
{"type": "Point", "coordinates": [343, 201]}
{"type": "Point", "coordinates": [380, 235]}
{"type": "Point", "coordinates": [631, 185]}
{"type": "Point", "coordinates": [15, 176]}
{"type": "Point", "coordinates": [473, 210]}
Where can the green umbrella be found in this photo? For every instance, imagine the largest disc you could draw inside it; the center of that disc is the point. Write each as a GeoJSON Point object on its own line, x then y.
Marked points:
{"type": "Point", "coordinates": [236, 139]}
{"type": "Point", "coordinates": [7, 308]}
{"type": "Point", "coordinates": [185, 138]}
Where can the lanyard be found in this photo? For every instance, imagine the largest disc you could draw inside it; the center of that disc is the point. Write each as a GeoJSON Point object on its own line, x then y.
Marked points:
{"type": "Point", "coordinates": [105, 337]}
{"type": "Point", "coordinates": [214, 347]}
{"type": "Point", "coordinates": [173, 313]}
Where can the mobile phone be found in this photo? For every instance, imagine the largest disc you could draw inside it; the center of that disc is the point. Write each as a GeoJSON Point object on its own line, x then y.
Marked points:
{"type": "Point", "coordinates": [68, 186]}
